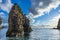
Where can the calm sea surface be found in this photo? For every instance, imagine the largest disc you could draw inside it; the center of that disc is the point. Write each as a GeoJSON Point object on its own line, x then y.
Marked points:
{"type": "Point", "coordinates": [36, 34]}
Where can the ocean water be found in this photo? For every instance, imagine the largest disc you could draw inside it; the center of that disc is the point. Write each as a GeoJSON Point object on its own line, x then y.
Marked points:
{"type": "Point", "coordinates": [36, 34]}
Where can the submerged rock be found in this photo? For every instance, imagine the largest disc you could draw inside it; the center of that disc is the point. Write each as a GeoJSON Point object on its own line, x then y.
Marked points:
{"type": "Point", "coordinates": [18, 23]}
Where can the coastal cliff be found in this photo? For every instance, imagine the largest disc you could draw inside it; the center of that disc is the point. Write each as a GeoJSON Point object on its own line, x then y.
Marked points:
{"type": "Point", "coordinates": [18, 23]}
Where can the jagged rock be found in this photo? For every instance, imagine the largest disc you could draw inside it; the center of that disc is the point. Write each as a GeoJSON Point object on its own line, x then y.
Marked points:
{"type": "Point", "coordinates": [18, 22]}
{"type": "Point", "coordinates": [26, 25]}
{"type": "Point", "coordinates": [0, 23]}
{"type": "Point", "coordinates": [58, 26]}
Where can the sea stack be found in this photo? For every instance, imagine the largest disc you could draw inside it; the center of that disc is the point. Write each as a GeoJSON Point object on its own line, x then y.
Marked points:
{"type": "Point", "coordinates": [0, 22]}
{"type": "Point", "coordinates": [58, 26]}
{"type": "Point", "coordinates": [18, 23]}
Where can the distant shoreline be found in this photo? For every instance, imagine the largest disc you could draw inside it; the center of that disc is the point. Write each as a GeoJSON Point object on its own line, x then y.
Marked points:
{"type": "Point", "coordinates": [56, 28]}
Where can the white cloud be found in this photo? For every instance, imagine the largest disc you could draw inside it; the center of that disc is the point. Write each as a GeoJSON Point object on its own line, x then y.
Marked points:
{"type": "Point", "coordinates": [2, 14]}
{"type": "Point", "coordinates": [37, 24]}
{"type": "Point", "coordinates": [41, 4]}
{"type": "Point", "coordinates": [0, 0]}
{"type": "Point", "coordinates": [5, 24]}
{"type": "Point", "coordinates": [32, 20]}
{"type": "Point", "coordinates": [53, 22]}
{"type": "Point", "coordinates": [40, 8]}
{"type": "Point", "coordinates": [30, 16]}
{"type": "Point", "coordinates": [6, 6]}
{"type": "Point", "coordinates": [59, 11]}
{"type": "Point", "coordinates": [44, 7]}
{"type": "Point", "coordinates": [4, 18]}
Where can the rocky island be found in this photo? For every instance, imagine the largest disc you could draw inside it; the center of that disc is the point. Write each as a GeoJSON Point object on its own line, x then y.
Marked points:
{"type": "Point", "coordinates": [0, 23]}
{"type": "Point", "coordinates": [18, 23]}
{"type": "Point", "coordinates": [58, 26]}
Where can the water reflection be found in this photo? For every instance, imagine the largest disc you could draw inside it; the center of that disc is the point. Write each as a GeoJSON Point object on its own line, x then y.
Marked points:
{"type": "Point", "coordinates": [36, 34]}
{"type": "Point", "coordinates": [45, 34]}
{"type": "Point", "coordinates": [3, 33]}
{"type": "Point", "coordinates": [26, 37]}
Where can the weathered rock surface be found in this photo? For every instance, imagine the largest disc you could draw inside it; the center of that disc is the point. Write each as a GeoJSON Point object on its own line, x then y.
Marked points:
{"type": "Point", "coordinates": [18, 22]}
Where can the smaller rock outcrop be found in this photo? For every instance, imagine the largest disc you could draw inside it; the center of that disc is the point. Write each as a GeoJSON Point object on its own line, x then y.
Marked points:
{"type": "Point", "coordinates": [0, 22]}
{"type": "Point", "coordinates": [26, 25]}
{"type": "Point", "coordinates": [58, 26]}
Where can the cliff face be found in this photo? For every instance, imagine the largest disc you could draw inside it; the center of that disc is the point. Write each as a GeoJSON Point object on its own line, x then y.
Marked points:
{"type": "Point", "coordinates": [58, 26]}
{"type": "Point", "coordinates": [18, 23]}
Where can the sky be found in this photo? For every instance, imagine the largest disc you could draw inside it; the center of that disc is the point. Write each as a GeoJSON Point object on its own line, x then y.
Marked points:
{"type": "Point", "coordinates": [41, 13]}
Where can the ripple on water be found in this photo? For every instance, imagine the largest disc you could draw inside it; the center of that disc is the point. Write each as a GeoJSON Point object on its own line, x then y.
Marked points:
{"type": "Point", "coordinates": [36, 34]}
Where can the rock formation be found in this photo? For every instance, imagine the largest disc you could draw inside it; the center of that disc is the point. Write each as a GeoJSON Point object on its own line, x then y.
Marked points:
{"type": "Point", "coordinates": [26, 25]}
{"type": "Point", "coordinates": [18, 22]}
{"type": "Point", "coordinates": [58, 26]}
{"type": "Point", "coordinates": [0, 23]}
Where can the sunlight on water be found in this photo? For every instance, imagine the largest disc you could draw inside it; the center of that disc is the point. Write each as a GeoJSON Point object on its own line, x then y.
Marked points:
{"type": "Point", "coordinates": [36, 34]}
{"type": "Point", "coordinates": [45, 34]}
